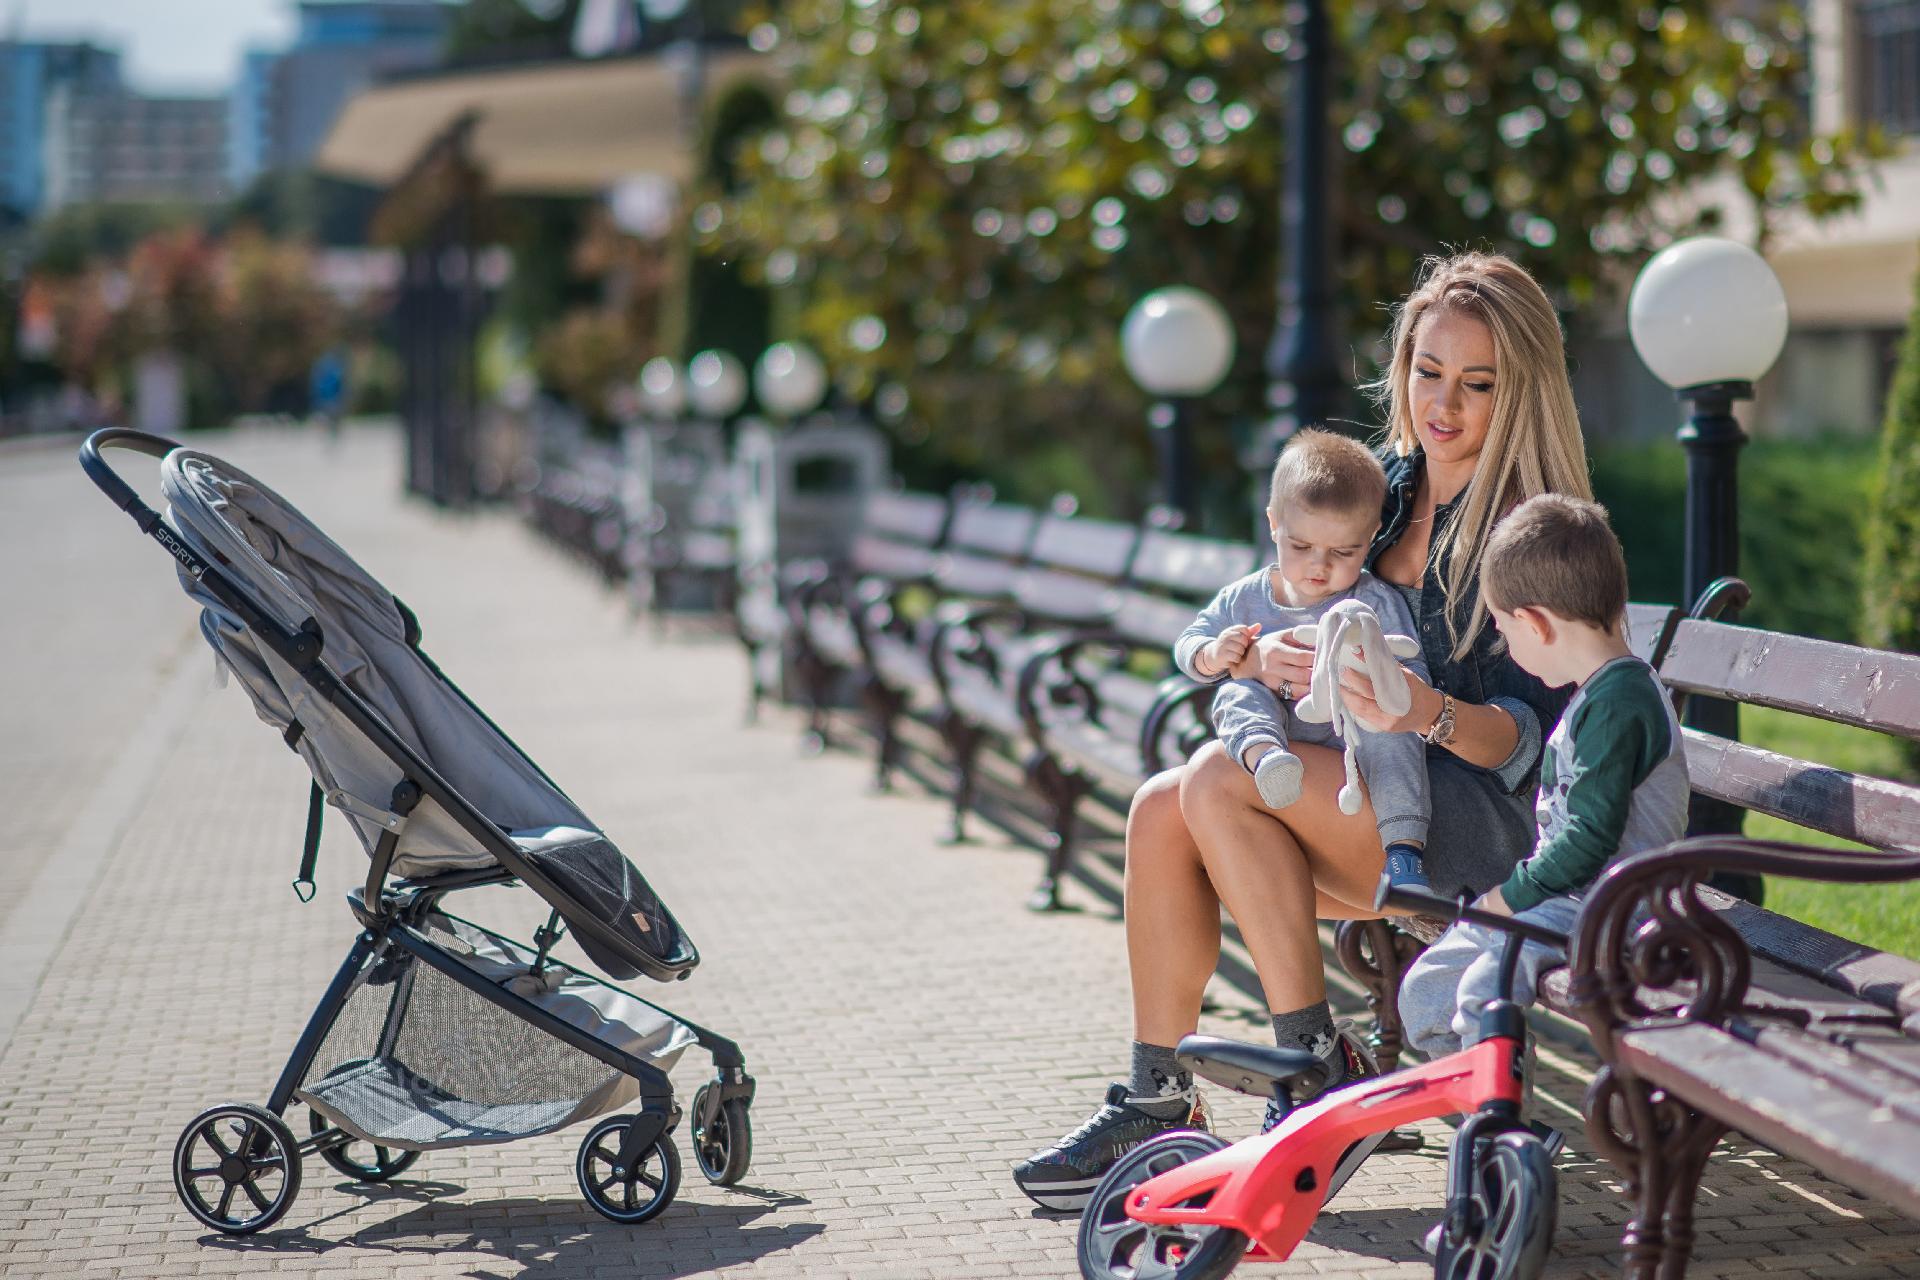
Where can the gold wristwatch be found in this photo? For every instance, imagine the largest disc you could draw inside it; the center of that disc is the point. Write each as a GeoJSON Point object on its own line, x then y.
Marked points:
{"type": "Point", "coordinates": [1441, 733]}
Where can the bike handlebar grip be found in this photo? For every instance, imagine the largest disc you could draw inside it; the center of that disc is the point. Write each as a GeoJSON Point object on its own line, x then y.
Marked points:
{"type": "Point", "coordinates": [118, 491]}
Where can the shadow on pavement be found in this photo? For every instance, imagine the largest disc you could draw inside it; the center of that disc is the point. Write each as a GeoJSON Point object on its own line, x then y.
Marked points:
{"type": "Point", "coordinates": [551, 1238]}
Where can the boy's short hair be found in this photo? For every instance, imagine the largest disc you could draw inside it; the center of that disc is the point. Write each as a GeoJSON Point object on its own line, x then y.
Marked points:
{"type": "Point", "coordinates": [1326, 471]}
{"type": "Point", "coordinates": [1557, 553]}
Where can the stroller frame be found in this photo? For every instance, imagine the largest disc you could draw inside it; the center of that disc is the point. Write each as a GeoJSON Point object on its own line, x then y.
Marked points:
{"type": "Point", "coordinates": [262, 1142]}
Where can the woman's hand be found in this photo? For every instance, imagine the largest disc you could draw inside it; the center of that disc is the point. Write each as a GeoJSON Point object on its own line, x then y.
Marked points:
{"type": "Point", "coordinates": [1423, 706]}
{"type": "Point", "coordinates": [1278, 660]}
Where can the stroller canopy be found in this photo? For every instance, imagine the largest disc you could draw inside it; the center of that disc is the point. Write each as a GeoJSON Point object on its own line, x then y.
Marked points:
{"type": "Point", "coordinates": [294, 573]}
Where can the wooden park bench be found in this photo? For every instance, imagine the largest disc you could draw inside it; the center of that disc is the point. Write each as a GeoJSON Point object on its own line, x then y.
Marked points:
{"type": "Point", "coordinates": [1102, 707]}
{"type": "Point", "coordinates": [896, 549]}
{"type": "Point", "coordinates": [1712, 1015]}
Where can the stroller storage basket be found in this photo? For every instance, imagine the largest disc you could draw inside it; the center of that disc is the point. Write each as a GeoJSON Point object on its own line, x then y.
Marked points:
{"type": "Point", "coordinates": [440, 1043]}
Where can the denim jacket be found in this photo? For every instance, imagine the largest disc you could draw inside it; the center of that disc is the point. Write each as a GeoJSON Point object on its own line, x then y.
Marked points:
{"type": "Point", "coordinates": [1487, 674]}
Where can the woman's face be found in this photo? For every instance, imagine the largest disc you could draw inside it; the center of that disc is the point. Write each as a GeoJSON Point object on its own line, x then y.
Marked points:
{"type": "Point", "coordinates": [1450, 387]}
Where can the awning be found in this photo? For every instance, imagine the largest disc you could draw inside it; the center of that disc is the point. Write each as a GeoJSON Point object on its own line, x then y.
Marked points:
{"type": "Point", "coordinates": [557, 128]}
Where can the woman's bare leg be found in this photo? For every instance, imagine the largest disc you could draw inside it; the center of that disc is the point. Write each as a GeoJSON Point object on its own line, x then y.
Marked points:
{"type": "Point", "coordinates": [1274, 884]}
{"type": "Point", "coordinates": [1173, 915]}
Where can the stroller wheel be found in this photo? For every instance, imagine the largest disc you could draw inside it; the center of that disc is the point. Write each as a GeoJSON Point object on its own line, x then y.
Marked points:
{"type": "Point", "coordinates": [388, 1162]}
{"type": "Point", "coordinates": [644, 1192]}
{"type": "Point", "coordinates": [237, 1168]}
{"type": "Point", "coordinates": [1115, 1247]}
{"type": "Point", "coordinates": [724, 1148]}
{"type": "Point", "coordinates": [1515, 1204]}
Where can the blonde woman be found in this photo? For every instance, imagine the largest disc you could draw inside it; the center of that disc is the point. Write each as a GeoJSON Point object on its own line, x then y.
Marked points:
{"type": "Point", "coordinates": [1480, 417]}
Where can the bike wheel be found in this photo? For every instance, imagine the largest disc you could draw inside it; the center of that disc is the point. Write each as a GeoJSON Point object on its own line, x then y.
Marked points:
{"type": "Point", "coordinates": [1515, 1205]}
{"type": "Point", "coordinates": [1115, 1247]}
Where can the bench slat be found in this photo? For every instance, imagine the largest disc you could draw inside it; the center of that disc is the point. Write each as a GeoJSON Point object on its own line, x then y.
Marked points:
{"type": "Point", "coordinates": [905, 517]}
{"type": "Point", "coordinates": [1098, 547]}
{"type": "Point", "coordinates": [1819, 1119]}
{"type": "Point", "coordinates": [1183, 564]}
{"type": "Point", "coordinates": [1061, 596]}
{"type": "Point", "coordinates": [1840, 682]}
{"type": "Point", "coordinates": [1147, 619]}
{"type": "Point", "coordinates": [1870, 810]}
{"type": "Point", "coordinates": [1647, 626]}
{"type": "Point", "coordinates": [895, 561]}
{"type": "Point", "coordinates": [961, 574]}
{"type": "Point", "coordinates": [997, 529]}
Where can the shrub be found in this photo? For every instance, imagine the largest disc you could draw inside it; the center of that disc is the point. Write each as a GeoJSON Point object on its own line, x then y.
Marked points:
{"type": "Point", "coordinates": [1891, 604]}
{"type": "Point", "coordinates": [1801, 527]}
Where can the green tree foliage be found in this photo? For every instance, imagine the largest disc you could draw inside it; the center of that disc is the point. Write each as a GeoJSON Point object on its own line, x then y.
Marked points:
{"type": "Point", "coordinates": [1892, 603]}
{"type": "Point", "coordinates": [969, 196]}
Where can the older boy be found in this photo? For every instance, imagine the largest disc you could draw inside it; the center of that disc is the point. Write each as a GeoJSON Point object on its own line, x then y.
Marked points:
{"type": "Point", "coordinates": [1613, 780]}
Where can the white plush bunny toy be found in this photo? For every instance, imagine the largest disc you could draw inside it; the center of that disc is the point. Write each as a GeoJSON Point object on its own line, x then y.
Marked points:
{"type": "Point", "coordinates": [1350, 632]}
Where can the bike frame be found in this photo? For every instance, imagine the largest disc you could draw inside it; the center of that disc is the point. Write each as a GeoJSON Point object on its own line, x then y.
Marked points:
{"type": "Point", "coordinates": [1271, 1187]}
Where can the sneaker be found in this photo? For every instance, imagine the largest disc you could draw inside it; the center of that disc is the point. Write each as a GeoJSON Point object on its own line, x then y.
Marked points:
{"type": "Point", "coordinates": [1064, 1175]}
{"type": "Point", "coordinates": [1359, 1066]}
{"type": "Point", "coordinates": [1406, 868]}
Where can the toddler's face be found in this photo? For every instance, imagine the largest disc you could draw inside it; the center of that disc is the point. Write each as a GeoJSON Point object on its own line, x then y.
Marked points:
{"type": "Point", "coordinates": [1321, 552]}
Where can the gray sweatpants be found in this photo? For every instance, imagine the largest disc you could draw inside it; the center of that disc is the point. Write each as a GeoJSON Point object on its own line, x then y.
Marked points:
{"type": "Point", "coordinates": [1393, 765]}
{"type": "Point", "coordinates": [1442, 995]}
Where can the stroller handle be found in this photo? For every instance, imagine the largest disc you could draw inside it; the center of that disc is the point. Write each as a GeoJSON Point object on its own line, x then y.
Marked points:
{"type": "Point", "coordinates": [118, 491]}
{"type": "Point", "coordinates": [1462, 908]}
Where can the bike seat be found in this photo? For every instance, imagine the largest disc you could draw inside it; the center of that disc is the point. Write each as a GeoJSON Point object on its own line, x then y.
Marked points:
{"type": "Point", "coordinates": [1260, 1069]}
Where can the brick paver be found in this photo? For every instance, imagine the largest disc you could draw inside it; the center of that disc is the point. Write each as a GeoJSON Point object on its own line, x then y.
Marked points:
{"type": "Point", "coordinates": [913, 1030]}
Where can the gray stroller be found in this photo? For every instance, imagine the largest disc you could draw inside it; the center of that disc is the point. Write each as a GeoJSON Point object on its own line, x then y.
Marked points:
{"type": "Point", "coordinates": [435, 1032]}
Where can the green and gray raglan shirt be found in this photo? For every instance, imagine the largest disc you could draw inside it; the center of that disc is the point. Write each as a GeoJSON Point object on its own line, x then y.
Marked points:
{"type": "Point", "coordinates": [1613, 781]}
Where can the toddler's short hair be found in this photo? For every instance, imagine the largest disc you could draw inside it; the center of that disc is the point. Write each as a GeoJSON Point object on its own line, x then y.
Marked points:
{"type": "Point", "coordinates": [1326, 471]}
{"type": "Point", "coordinates": [1557, 553]}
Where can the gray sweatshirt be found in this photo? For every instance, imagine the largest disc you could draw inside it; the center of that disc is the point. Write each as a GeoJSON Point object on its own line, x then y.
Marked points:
{"type": "Point", "coordinates": [1246, 712]}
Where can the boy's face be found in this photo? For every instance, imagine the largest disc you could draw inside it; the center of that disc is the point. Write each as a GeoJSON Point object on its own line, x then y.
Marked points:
{"type": "Point", "coordinates": [1321, 552]}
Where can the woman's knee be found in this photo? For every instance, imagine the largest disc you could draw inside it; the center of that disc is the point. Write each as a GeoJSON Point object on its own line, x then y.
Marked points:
{"type": "Point", "coordinates": [1156, 831]}
{"type": "Point", "coordinates": [1209, 773]}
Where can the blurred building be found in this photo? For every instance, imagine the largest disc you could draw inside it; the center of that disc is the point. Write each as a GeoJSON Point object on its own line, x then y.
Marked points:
{"type": "Point", "coordinates": [30, 73]}
{"type": "Point", "coordinates": [1849, 280]}
{"type": "Point", "coordinates": [285, 102]}
{"type": "Point", "coordinates": [109, 144]}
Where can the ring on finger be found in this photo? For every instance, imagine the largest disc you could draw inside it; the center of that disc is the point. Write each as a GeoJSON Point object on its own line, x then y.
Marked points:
{"type": "Point", "coordinates": [1286, 691]}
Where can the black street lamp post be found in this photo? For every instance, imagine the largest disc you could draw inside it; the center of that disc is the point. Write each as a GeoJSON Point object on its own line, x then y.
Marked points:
{"type": "Point", "coordinates": [1305, 384]}
{"type": "Point", "coordinates": [1709, 318]}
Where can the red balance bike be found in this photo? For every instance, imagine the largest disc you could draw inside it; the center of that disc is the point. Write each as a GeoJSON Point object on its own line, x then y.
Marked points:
{"type": "Point", "coordinates": [1187, 1205]}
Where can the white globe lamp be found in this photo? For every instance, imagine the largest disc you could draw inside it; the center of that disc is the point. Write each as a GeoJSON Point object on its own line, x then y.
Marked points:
{"type": "Point", "coordinates": [663, 392]}
{"type": "Point", "coordinates": [789, 379]}
{"type": "Point", "coordinates": [716, 384]}
{"type": "Point", "coordinates": [1707, 310]}
{"type": "Point", "coordinates": [1177, 344]}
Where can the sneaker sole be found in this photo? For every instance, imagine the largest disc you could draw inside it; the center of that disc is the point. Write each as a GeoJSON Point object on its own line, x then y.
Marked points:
{"type": "Point", "coordinates": [1066, 1197]}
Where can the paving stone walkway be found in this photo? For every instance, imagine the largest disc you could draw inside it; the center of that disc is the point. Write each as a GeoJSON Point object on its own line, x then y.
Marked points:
{"type": "Point", "coordinates": [913, 1029]}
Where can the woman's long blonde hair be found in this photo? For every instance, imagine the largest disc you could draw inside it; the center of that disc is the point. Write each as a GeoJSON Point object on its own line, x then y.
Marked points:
{"type": "Point", "coordinates": [1533, 443]}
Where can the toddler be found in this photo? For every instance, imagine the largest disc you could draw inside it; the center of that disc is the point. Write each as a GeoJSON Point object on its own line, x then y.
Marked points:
{"type": "Point", "coordinates": [1324, 510]}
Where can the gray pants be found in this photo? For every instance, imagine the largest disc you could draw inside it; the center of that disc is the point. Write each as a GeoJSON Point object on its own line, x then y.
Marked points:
{"type": "Point", "coordinates": [1443, 994]}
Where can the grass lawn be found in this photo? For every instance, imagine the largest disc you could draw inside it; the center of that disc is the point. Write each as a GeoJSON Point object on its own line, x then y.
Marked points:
{"type": "Point", "coordinates": [1882, 916]}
